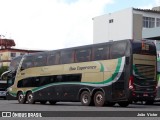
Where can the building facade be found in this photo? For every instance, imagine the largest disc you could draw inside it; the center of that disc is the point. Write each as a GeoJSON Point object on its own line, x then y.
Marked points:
{"type": "Point", "coordinates": [7, 53]}
{"type": "Point", "coordinates": [131, 23]}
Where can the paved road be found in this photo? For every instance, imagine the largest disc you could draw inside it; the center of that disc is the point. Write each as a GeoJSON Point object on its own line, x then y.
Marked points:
{"type": "Point", "coordinates": [14, 106]}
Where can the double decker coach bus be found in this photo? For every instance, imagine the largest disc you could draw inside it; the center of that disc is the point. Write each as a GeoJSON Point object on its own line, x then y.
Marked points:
{"type": "Point", "coordinates": [99, 74]}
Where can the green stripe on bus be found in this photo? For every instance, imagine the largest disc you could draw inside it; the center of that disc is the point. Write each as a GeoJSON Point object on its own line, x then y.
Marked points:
{"type": "Point", "coordinates": [114, 74]}
{"type": "Point", "coordinates": [13, 94]}
{"type": "Point", "coordinates": [137, 72]}
{"type": "Point", "coordinates": [81, 83]}
{"type": "Point", "coordinates": [102, 68]}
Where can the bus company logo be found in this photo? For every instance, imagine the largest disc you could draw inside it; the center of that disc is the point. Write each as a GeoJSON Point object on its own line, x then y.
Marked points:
{"type": "Point", "coordinates": [19, 114]}
{"type": "Point", "coordinates": [6, 114]}
{"type": "Point", "coordinates": [82, 68]}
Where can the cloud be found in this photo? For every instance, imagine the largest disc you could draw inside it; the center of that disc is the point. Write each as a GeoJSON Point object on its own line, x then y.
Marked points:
{"type": "Point", "coordinates": [50, 24]}
{"type": "Point", "coordinates": [157, 2]}
{"type": "Point", "coordinates": [153, 3]}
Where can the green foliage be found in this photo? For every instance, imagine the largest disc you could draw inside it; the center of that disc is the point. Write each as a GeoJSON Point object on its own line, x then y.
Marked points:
{"type": "Point", "coordinates": [3, 69]}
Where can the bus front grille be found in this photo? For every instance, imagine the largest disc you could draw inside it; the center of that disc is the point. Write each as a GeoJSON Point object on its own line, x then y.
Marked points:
{"type": "Point", "coordinates": [145, 71]}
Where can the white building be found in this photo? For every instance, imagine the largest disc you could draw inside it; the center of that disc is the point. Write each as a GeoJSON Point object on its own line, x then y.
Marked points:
{"type": "Point", "coordinates": [130, 23]}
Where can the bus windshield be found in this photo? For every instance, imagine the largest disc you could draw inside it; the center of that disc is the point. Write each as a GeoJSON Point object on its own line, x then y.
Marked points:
{"type": "Point", "coordinates": [144, 47]}
{"type": "Point", "coordinates": [144, 67]}
{"type": "Point", "coordinates": [15, 63]}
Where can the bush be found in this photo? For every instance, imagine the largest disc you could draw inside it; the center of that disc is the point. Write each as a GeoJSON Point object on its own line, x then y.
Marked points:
{"type": "Point", "coordinates": [3, 69]}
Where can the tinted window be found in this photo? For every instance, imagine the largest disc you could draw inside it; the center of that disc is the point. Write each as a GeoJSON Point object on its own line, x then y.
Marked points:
{"type": "Point", "coordinates": [27, 62]}
{"type": "Point", "coordinates": [40, 60]}
{"type": "Point", "coordinates": [100, 52]}
{"type": "Point", "coordinates": [144, 47]}
{"type": "Point", "coordinates": [36, 81]}
{"type": "Point", "coordinates": [67, 56]}
{"type": "Point", "coordinates": [29, 82]}
{"type": "Point", "coordinates": [53, 58]}
{"type": "Point", "coordinates": [83, 55]}
{"type": "Point", "coordinates": [68, 78]}
{"type": "Point", "coordinates": [118, 49]}
{"type": "Point", "coordinates": [15, 63]}
{"type": "Point", "coordinates": [46, 80]}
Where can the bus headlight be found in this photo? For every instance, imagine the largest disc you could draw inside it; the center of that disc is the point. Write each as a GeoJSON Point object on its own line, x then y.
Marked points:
{"type": "Point", "coordinates": [9, 89]}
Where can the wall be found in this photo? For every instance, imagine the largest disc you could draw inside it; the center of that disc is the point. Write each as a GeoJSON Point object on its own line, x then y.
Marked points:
{"type": "Point", "coordinates": [121, 27]}
{"type": "Point", "coordinates": [137, 26]}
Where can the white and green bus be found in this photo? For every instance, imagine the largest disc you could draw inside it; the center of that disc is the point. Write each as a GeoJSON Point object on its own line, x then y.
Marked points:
{"type": "Point", "coordinates": [99, 74]}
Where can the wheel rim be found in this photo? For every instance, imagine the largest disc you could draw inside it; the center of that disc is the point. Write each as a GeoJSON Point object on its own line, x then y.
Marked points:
{"type": "Point", "coordinates": [85, 99]}
{"type": "Point", "coordinates": [30, 97]}
{"type": "Point", "coordinates": [21, 97]}
{"type": "Point", "coordinates": [99, 99]}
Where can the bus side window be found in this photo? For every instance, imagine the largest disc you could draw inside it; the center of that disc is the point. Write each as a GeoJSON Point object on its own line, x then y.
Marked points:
{"type": "Point", "coordinates": [53, 58]}
{"type": "Point", "coordinates": [100, 53]}
{"type": "Point", "coordinates": [83, 55]}
{"type": "Point", "coordinates": [40, 60]}
{"type": "Point", "coordinates": [117, 50]}
{"type": "Point", "coordinates": [27, 62]}
{"type": "Point", "coordinates": [67, 56]}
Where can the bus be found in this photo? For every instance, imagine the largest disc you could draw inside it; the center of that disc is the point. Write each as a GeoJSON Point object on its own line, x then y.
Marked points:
{"type": "Point", "coordinates": [98, 74]}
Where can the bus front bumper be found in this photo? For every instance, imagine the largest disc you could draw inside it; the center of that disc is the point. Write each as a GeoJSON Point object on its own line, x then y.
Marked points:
{"type": "Point", "coordinates": [143, 96]}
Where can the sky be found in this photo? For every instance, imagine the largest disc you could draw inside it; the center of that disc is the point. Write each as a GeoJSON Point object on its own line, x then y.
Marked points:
{"type": "Point", "coordinates": [56, 24]}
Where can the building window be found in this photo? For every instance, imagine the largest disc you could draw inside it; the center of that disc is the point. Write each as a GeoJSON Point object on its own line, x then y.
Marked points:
{"type": "Point", "coordinates": [148, 22]}
{"type": "Point", "coordinates": [22, 53]}
{"type": "Point", "coordinates": [158, 46]}
{"type": "Point", "coordinates": [111, 21]}
{"type": "Point", "coordinates": [158, 22]}
{"type": "Point", "coordinates": [13, 54]}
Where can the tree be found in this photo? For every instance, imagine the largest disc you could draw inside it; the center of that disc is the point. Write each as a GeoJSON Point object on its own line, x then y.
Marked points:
{"type": "Point", "coordinates": [3, 69]}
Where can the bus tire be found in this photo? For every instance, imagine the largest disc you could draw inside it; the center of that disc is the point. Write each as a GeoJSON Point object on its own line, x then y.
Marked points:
{"type": "Point", "coordinates": [52, 102]}
{"type": "Point", "coordinates": [30, 98]}
{"type": "Point", "coordinates": [123, 104]}
{"type": "Point", "coordinates": [85, 98]}
{"type": "Point", "coordinates": [21, 98]}
{"type": "Point", "coordinates": [99, 99]}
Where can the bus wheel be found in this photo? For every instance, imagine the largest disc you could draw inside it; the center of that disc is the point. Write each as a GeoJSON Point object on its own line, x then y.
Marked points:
{"type": "Point", "coordinates": [43, 102]}
{"type": "Point", "coordinates": [52, 102]}
{"type": "Point", "coordinates": [123, 104]}
{"type": "Point", "coordinates": [30, 98]}
{"type": "Point", "coordinates": [21, 98]}
{"type": "Point", "coordinates": [85, 98]}
{"type": "Point", "coordinates": [99, 99]}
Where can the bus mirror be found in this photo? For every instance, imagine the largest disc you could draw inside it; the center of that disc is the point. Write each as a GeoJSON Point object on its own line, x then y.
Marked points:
{"type": "Point", "coordinates": [127, 60]}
